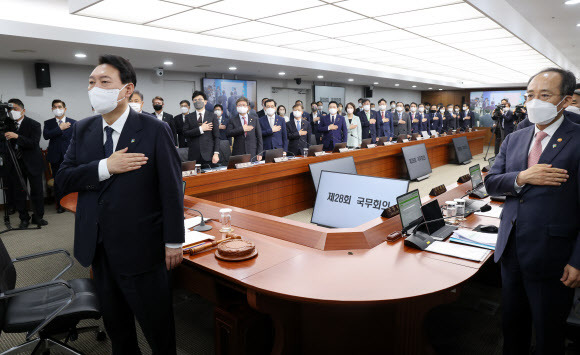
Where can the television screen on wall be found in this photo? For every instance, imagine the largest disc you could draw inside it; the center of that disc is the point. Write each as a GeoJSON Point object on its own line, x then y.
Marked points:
{"type": "Point", "coordinates": [226, 91]}
{"type": "Point", "coordinates": [482, 103]}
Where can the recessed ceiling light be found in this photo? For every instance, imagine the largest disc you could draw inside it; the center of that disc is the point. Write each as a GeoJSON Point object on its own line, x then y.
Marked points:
{"type": "Point", "coordinates": [376, 83]}
{"type": "Point", "coordinates": [281, 73]}
{"type": "Point", "coordinates": [320, 76]}
{"type": "Point", "coordinates": [414, 86]}
{"type": "Point", "coordinates": [233, 68]}
{"type": "Point", "coordinates": [80, 55]}
{"type": "Point", "coordinates": [572, 2]}
{"type": "Point", "coordinates": [167, 62]}
{"type": "Point", "coordinates": [396, 84]}
{"type": "Point", "coordinates": [430, 88]}
{"type": "Point", "coordinates": [440, 89]}
{"type": "Point", "coordinates": [350, 79]}
{"type": "Point", "coordinates": [578, 25]}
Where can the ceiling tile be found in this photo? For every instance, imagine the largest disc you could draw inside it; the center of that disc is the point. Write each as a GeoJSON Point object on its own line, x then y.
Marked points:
{"type": "Point", "coordinates": [478, 24]}
{"type": "Point", "coordinates": [260, 9]}
{"type": "Point", "coordinates": [133, 11]}
{"type": "Point", "coordinates": [350, 28]}
{"type": "Point", "coordinates": [380, 37]}
{"type": "Point", "coordinates": [373, 8]}
{"type": "Point", "coordinates": [196, 21]}
{"type": "Point", "coordinates": [472, 36]}
{"type": "Point", "coordinates": [286, 38]}
{"type": "Point", "coordinates": [247, 30]}
{"type": "Point", "coordinates": [333, 44]}
{"type": "Point", "coordinates": [441, 14]}
{"type": "Point", "coordinates": [313, 17]}
{"type": "Point", "coordinates": [192, 3]}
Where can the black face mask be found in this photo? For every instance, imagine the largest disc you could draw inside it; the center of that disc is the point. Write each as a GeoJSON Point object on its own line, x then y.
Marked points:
{"type": "Point", "coordinates": [157, 107]}
{"type": "Point", "coordinates": [432, 111]}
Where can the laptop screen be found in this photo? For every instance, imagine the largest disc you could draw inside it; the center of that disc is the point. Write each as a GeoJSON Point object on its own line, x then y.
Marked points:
{"type": "Point", "coordinates": [410, 209]}
{"type": "Point", "coordinates": [491, 161]}
{"type": "Point", "coordinates": [432, 211]}
{"type": "Point", "coordinates": [475, 173]}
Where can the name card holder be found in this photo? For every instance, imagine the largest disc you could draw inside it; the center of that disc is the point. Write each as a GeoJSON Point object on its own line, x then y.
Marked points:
{"type": "Point", "coordinates": [371, 145]}
{"type": "Point", "coordinates": [342, 150]}
{"type": "Point", "coordinates": [188, 173]}
{"type": "Point", "coordinates": [464, 178]}
{"type": "Point", "coordinates": [317, 154]}
{"type": "Point", "coordinates": [438, 190]}
{"type": "Point", "coordinates": [281, 159]}
{"type": "Point", "coordinates": [243, 165]}
{"type": "Point", "coordinates": [390, 212]}
{"type": "Point", "coordinates": [388, 143]}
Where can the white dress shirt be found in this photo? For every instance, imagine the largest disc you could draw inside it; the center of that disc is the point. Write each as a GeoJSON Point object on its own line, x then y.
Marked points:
{"type": "Point", "coordinates": [62, 120]}
{"type": "Point", "coordinates": [272, 120]}
{"type": "Point", "coordinates": [159, 115]}
{"type": "Point", "coordinates": [550, 130]}
{"type": "Point", "coordinates": [104, 174]}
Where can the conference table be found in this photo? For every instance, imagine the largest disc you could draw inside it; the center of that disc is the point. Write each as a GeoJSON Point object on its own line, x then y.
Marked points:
{"type": "Point", "coordinates": [316, 290]}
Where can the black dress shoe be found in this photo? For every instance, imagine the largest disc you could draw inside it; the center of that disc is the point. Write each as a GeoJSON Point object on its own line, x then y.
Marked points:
{"type": "Point", "coordinates": [42, 222]}
{"type": "Point", "coordinates": [11, 211]}
{"type": "Point", "coordinates": [23, 224]}
{"type": "Point", "coordinates": [60, 210]}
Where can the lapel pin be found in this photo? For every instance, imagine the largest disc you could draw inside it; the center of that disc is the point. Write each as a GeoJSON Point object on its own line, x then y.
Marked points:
{"type": "Point", "coordinates": [133, 140]}
{"type": "Point", "coordinates": [554, 146]}
{"type": "Point", "coordinates": [559, 139]}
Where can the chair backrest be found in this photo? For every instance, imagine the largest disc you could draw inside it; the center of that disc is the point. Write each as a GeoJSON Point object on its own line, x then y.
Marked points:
{"type": "Point", "coordinates": [7, 277]}
{"type": "Point", "coordinates": [225, 152]}
{"type": "Point", "coordinates": [183, 152]}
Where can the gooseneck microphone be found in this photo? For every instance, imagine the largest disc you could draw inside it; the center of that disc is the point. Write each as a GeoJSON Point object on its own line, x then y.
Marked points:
{"type": "Point", "coordinates": [202, 227]}
{"type": "Point", "coordinates": [254, 157]}
{"type": "Point", "coordinates": [484, 208]}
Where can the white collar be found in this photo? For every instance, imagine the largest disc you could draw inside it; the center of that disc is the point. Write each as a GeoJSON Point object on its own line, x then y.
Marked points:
{"type": "Point", "coordinates": [118, 125]}
{"type": "Point", "coordinates": [159, 114]}
{"type": "Point", "coordinates": [551, 129]}
{"type": "Point", "coordinates": [202, 112]}
{"type": "Point", "coordinates": [63, 119]}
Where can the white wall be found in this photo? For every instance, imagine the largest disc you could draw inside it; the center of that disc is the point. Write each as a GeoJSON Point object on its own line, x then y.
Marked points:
{"type": "Point", "coordinates": [69, 83]}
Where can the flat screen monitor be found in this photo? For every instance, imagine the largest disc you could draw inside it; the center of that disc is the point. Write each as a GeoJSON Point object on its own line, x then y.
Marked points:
{"type": "Point", "coordinates": [410, 209]}
{"type": "Point", "coordinates": [347, 201]}
{"type": "Point", "coordinates": [271, 154]}
{"type": "Point", "coordinates": [342, 165]}
{"type": "Point", "coordinates": [338, 147]}
{"type": "Point", "coordinates": [188, 165]}
{"type": "Point", "coordinates": [226, 91]}
{"type": "Point", "coordinates": [313, 149]}
{"type": "Point", "coordinates": [432, 212]}
{"type": "Point", "coordinates": [325, 94]}
{"type": "Point", "coordinates": [236, 159]}
{"type": "Point", "coordinates": [417, 161]}
{"type": "Point", "coordinates": [462, 151]}
{"type": "Point", "coordinates": [475, 173]}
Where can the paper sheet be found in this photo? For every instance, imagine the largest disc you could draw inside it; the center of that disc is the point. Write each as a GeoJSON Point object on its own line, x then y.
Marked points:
{"type": "Point", "coordinates": [478, 237]}
{"type": "Point", "coordinates": [495, 212]}
{"type": "Point", "coordinates": [192, 237]}
{"type": "Point", "coordinates": [458, 251]}
{"type": "Point", "coordinates": [192, 222]}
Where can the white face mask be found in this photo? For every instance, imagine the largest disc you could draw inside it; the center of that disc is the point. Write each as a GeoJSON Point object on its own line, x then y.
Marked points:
{"type": "Point", "coordinates": [382, 107]}
{"type": "Point", "coordinates": [297, 114]}
{"type": "Point", "coordinates": [399, 109]}
{"type": "Point", "coordinates": [542, 112]}
{"type": "Point", "coordinates": [58, 112]}
{"type": "Point", "coordinates": [450, 110]}
{"type": "Point", "coordinates": [242, 109]}
{"type": "Point", "coordinates": [456, 110]}
{"type": "Point", "coordinates": [320, 108]}
{"type": "Point", "coordinates": [413, 109]}
{"type": "Point", "coordinates": [442, 110]}
{"type": "Point", "coordinates": [466, 109]}
{"type": "Point", "coordinates": [218, 113]}
{"type": "Point", "coordinates": [16, 115]}
{"type": "Point", "coordinates": [282, 113]}
{"type": "Point", "coordinates": [573, 109]}
{"type": "Point", "coordinates": [184, 109]}
{"type": "Point", "coordinates": [421, 109]}
{"type": "Point", "coordinates": [366, 107]}
{"type": "Point", "coordinates": [135, 106]}
{"type": "Point", "coordinates": [270, 111]}
{"type": "Point", "coordinates": [349, 110]}
{"type": "Point", "coordinates": [360, 104]}
{"type": "Point", "coordinates": [393, 106]}
{"type": "Point", "coordinates": [287, 119]}
{"type": "Point", "coordinates": [332, 111]}
{"type": "Point", "coordinates": [104, 100]}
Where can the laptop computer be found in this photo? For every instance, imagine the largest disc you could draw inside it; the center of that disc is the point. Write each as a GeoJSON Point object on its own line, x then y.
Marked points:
{"type": "Point", "coordinates": [410, 210]}
{"type": "Point", "coordinates": [438, 230]}
{"type": "Point", "coordinates": [477, 186]}
{"type": "Point", "coordinates": [365, 142]}
{"type": "Point", "coordinates": [188, 165]}
{"type": "Point", "coordinates": [338, 147]}
{"type": "Point", "coordinates": [499, 198]}
{"type": "Point", "coordinates": [271, 154]}
{"type": "Point", "coordinates": [383, 140]}
{"type": "Point", "coordinates": [314, 149]}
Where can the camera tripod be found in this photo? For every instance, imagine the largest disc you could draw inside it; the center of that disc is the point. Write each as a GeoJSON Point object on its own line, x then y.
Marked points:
{"type": "Point", "coordinates": [12, 156]}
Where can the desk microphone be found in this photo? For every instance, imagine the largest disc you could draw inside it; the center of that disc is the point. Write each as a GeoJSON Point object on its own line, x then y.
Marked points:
{"type": "Point", "coordinates": [484, 208]}
{"type": "Point", "coordinates": [202, 227]}
{"type": "Point", "coordinates": [252, 160]}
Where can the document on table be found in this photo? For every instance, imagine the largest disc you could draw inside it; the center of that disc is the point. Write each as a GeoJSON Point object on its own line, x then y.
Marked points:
{"type": "Point", "coordinates": [476, 239]}
{"type": "Point", "coordinates": [193, 237]}
{"type": "Point", "coordinates": [458, 251]}
{"type": "Point", "coordinates": [194, 221]}
{"type": "Point", "coordinates": [495, 212]}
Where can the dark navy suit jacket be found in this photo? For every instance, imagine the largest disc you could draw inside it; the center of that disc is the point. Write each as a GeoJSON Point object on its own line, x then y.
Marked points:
{"type": "Point", "coordinates": [424, 126]}
{"type": "Point", "coordinates": [466, 123]}
{"type": "Point", "coordinates": [330, 138]}
{"type": "Point", "coordinates": [545, 218]}
{"type": "Point", "coordinates": [225, 121]}
{"type": "Point", "coordinates": [272, 140]}
{"type": "Point", "coordinates": [415, 127]}
{"type": "Point", "coordinates": [370, 130]}
{"type": "Point", "coordinates": [58, 140]}
{"type": "Point", "coordinates": [386, 128]}
{"type": "Point", "coordinates": [508, 122]}
{"type": "Point", "coordinates": [133, 213]}
{"type": "Point", "coordinates": [296, 142]}
{"type": "Point", "coordinates": [437, 124]}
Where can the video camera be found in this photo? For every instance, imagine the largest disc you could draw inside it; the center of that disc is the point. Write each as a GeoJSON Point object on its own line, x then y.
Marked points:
{"type": "Point", "coordinates": [497, 111]}
{"type": "Point", "coordinates": [520, 113]}
{"type": "Point", "coordinates": [7, 124]}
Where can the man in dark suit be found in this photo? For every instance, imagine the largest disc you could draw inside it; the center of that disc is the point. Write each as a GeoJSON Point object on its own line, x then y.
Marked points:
{"type": "Point", "coordinates": [25, 142]}
{"type": "Point", "coordinates": [538, 244]}
{"type": "Point", "coordinates": [369, 121]}
{"type": "Point", "coordinates": [508, 120]}
{"type": "Point", "coordinates": [450, 118]}
{"type": "Point", "coordinates": [245, 130]}
{"type": "Point", "coordinates": [299, 131]}
{"type": "Point", "coordinates": [437, 114]}
{"type": "Point", "coordinates": [424, 118]}
{"type": "Point", "coordinates": [274, 134]}
{"type": "Point", "coordinates": [333, 128]}
{"type": "Point", "coordinates": [571, 116]}
{"type": "Point", "coordinates": [219, 112]}
{"type": "Point", "coordinates": [129, 220]}
{"type": "Point", "coordinates": [415, 118]}
{"type": "Point", "coordinates": [466, 118]}
{"type": "Point", "coordinates": [359, 108]}
{"type": "Point", "coordinates": [201, 128]}
{"type": "Point", "coordinates": [401, 121]}
{"type": "Point", "coordinates": [179, 120]}
{"type": "Point", "coordinates": [262, 112]}
{"type": "Point", "coordinates": [57, 131]}
{"type": "Point", "coordinates": [158, 104]}
{"type": "Point", "coordinates": [314, 119]}
{"type": "Point", "coordinates": [320, 108]}
{"type": "Point", "coordinates": [385, 117]}
{"type": "Point", "coordinates": [136, 102]}
{"type": "Point", "coordinates": [305, 115]}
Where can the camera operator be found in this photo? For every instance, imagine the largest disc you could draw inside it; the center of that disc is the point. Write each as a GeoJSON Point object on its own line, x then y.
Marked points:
{"type": "Point", "coordinates": [497, 116]}
{"type": "Point", "coordinates": [509, 124]}
{"type": "Point", "coordinates": [24, 139]}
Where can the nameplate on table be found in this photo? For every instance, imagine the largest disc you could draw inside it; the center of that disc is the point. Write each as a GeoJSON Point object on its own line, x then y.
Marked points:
{"type": "Point", "coordinates": [405, 141]}
{"type": "Point", "coordinates": [388, 143]}
{"type": "Point", "coordinates": [317, 154]}
{"type": "Point", "coordinates": [243, 165]}
{"type": "Point", "coordinates": [425, 134]}
{"type": "Point", "coordinates": [188, 173]}
{"type": "Point", "coordinates": [371, 145]}
{"type": "Point", "coordinates": [342, 150]}
{"type": "Point", "coordinates": [281, 159]}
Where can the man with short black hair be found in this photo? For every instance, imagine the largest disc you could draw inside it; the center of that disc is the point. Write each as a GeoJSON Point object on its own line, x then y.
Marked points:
{"type": "Point", "coordinates": [369, 123]}
{"type": "Point", "coordinates": [129, 219]}
{"type": "Point", "coordinates": [179, 120]}
{"type": "Point", "coordinates": [401, 121]}
{"type": "Point", "coordinates": [136, 102]}
{"type": "Point", "coordinates": [25, 143]}
{"type": "Point", "coordinates": [158, 104]}
{"type": "Point", "coordinates": [201, 128]}
{"type": "Point", "coordinates": [385, 117]}
{"type": "Point", "coordinates": [299, 131]}
{"type": "Point", "coordinates": [538, 245]}
{"type": "Point", "coordinates": [57, 131]}
{"type": "Point", "coordinates": [274, 134]}
{"type": "Point", "coordinates": [262, 112]}
{"type": "Point", "coordinates": [333, 128]}
{"type": "Point", "coordinates": [467, 118]}
{"type": "Point", "coordinates": [359, 108]}
{"type": "Point", "coordinates": [245, 130]}
{"type": "Point", "coordinates": [219, 112]}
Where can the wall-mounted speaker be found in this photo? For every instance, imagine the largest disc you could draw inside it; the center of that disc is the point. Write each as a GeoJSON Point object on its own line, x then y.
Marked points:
{"type": "Point", "coordinates": [368, 92]}
{"type": "Point", "coordinates": [42, 72]}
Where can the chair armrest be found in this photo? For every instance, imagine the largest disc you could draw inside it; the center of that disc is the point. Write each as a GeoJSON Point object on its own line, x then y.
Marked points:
{"type": "Point", "coordinates": [50, 317]}
{"type": "Point", "coordinates": [47, 253]}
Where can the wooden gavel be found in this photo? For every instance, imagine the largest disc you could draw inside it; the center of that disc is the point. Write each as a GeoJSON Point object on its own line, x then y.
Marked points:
{"type": "Point", "coordinates": [229, 236]}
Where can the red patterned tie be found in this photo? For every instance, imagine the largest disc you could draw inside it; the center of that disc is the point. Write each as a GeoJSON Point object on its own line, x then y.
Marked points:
{"type": "Point", "coordinates": [536, 151]}
{"type": "Point", "coordinates": [245, 123]}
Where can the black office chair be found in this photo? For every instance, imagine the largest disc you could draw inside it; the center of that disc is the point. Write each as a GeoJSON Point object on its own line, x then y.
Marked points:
{"type": "Point", "coordinates": [312, 140]}
{"type": "Point", "coordinates": [183, 152]}
{"type": "Point", "coordinates": [225, 152]}
{"type": "Point", "coordinates": [47, 311]}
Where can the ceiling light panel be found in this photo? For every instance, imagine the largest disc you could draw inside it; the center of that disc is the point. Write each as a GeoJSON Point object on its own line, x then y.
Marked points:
{"type": "Point", "coordinates": [196, 21]}
{"type": "Point", "coordinates": [260, 9]}
{"type": "Point", "coordinates": [312, 17]}
{"type": "Point", "coordinates": [472, 36]}
{"type": "Point", "coordinates": [416, 43]}
{"type": "Point", "coordinates": [380, 37]}
{"type": "Point", "coordinates": [478, 24]}
{"type": "Point", "coordinates": [133, 11]}
{"type": "Point", "coordinates": [348, 49]}
{"type": "Point", "coordinates": [287, 38]}
{"type": "Point", "coordinates": [497, 44]}
{"type": "Point", "coordinates": [441, 14]}
{"type": "Point", "coordinates": [192, 3]}
{"type": "Point", "coordinates": [350, 28]}
{"type": "Point", "coordinates": [333, 45]}
{"type": "Point", "coordinates": [374, 8]}
{"type": "Point", "coordinates": [247, 30]}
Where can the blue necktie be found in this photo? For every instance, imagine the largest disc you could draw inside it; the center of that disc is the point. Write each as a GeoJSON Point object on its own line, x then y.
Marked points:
{"type": "Point", "coordinates": [109, 142]}
{"type": "Point", "coordinates": [298, 125]}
